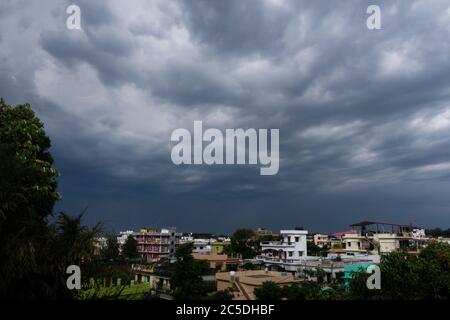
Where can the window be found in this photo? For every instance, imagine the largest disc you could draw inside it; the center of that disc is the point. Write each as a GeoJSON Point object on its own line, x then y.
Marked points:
{"type": "Point", "coordinates": [290, 253]}
{"type": "Point", "coordinates": [297, 239]}
{"type": "Point", "coordinates": [300, 253]}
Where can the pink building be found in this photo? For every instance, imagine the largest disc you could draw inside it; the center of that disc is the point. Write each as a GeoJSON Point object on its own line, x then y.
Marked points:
{"type": "Point", "coordinates": [154, 244]}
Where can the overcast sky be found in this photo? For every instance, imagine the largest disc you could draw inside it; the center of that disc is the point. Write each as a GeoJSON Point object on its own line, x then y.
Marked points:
{"type": "Point", "coordinates": [364, 115]}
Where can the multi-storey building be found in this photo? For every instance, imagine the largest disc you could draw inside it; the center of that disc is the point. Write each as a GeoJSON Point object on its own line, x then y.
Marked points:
{"type": "Point", "coordinates": [286, 254]}
{"type": "Point", "coordinates": [321, 240]}
{"type": "Point", "coordinates": [199, 245]}
{"type": "Point", "coordinates": [153, 244]}
{"type": "Point", "coordinates": [381, 238]}
{"type": "Point", "coordinates": [202, 246]}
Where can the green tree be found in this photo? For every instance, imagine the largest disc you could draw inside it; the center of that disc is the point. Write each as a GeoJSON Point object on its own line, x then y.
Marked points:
{"type": "Point", "coordinates": [406, 276]}
{"type": "Point", "coordinates": [269, 291]}
{"type": "Point", "coordinates": [438, 232]}
{"type": "Point", "coordinates": [315, 250]}
{"type": "Point", "coordinates": [34, 254]}
{"type": "Point", "coordinates": [221, 295]}
{"type": "Point", "coordinates": [129, 248]}
{"type": "Point", "coordinates": [71, 240]}
{"type": "Point", "coordinates": [186, 278]}
{"type": "Point", "coordinates": [27, 196]}
{"type": "Point", "coordinates": [111, 250]}
{"type": "Point", "coordinates": [69, 243]}
{"type": "Point", "coordinates": [307, 290]}
{"type": "Point", "coordinates": [242, 243]}
{"type": "Point", "coordinates": [435, 277]}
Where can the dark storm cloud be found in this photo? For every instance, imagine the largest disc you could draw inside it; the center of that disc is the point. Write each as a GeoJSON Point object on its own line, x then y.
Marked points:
{"type": "Point", "coordinates": [238, 27]}
{"type": "Point", "coordinates": [364, 116]}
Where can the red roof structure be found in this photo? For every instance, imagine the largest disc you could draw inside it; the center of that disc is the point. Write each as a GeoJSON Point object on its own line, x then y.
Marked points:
{"type": "Point", "coordinates": [341, 234]}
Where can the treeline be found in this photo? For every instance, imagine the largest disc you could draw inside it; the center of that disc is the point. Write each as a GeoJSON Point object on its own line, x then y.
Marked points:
{"type": "Point", "coordinates": [438, 232]}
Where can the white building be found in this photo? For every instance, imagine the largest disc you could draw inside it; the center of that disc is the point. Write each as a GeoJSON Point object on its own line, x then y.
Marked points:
{"type": "Point", "coordinates": [123, 236]}
{"type": "Point", "coordinates": [185, 238]}
{"type": "Point", "coordinates": [202, 246]}
{"type": "Point", "coordinates": [418, 233]}
{"type": "Point", "coordinates": [286, 254]}
{"type": "Point", "coordinates": [199, 245]}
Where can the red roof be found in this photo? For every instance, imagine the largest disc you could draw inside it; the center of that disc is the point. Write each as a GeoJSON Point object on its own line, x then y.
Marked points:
{"type": "Point", "coordinates": [341, 234]}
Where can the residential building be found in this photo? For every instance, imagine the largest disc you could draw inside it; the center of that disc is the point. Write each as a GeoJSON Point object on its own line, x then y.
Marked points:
{"type": "Point", "coordinates": [201, 242]}
{"type": "Point", "coordinates": [243, 283]}
{"type": "Point", "coordinates": [219, 262]}
{"type": "Point", "coordinates": [381, 238]}
{"type": "Point", "coordinates": [418, 233]}
{"type": "Point", "coordinates": [201, 246]}
{"type": "Point", "coordinates": [321, 240]}
{"type": "Point", "coordinates": [333, 265]}
{"type": "Point", "coordinates": [158, 278]}
{"type": "Point", "coordinates": [336, 242]}
{"type": "Point", "coordinates": [186, 237]}
{"type": "Point", "coordinates": [154, 244]}
{"type": "Point", "coordinates": [262, 232]}
{"type": "Point", "coordinates": [217, 247]}
{"type": "Point", "coordinates": [99, 243]}
{"type": "Point", "coordinates": [287, 253]}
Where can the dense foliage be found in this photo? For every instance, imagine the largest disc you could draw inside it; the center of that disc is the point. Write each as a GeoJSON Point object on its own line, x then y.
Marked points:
{"type": "Point", "coordinates": [129, 248]}
{"type": "Point", "coordinates": [34, 254]}
{"type": "Point", "coordinates": [111, 250]}
{"type": "Point", "coordinates": [186, 280]}
{"type": "Point", "coordinates": [405, 276]}
{"type": "Point", "coordinates": [438, 232]}
{"type": "Point", "coordinates": [315, 250]}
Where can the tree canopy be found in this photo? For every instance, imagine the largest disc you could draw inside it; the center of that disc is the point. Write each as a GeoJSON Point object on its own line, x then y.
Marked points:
{"type": "Point", "coordinates": [243, 243]}
{"type": "Point", "coordinates": [34, 254]}
{"type": "Point", "coordinates": [186, 278]}
{"type": "Point", "coordinates": [129, 248]}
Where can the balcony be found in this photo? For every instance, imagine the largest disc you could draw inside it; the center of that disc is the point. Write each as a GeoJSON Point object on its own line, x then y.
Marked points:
{"type": "Point", "coordinates": [276, 245]}
{"type": "Point", "coordinates": [278, 260]}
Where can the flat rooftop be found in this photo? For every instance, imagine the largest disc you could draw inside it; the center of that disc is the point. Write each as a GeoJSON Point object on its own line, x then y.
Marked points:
{"type": "Point", "coordinates": [261, 276]}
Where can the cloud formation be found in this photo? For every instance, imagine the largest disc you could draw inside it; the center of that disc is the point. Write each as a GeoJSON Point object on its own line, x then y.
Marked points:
{"type": "Point", "coordinates": [364, 115]}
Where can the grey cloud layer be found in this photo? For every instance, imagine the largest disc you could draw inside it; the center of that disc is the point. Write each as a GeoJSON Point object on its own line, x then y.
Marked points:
{"type": "Point", "coordinates": [359, 111]}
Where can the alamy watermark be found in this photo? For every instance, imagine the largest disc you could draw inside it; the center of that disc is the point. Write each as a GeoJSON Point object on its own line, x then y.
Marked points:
{"type": "Point", "coordinates": [73, 21]}
{"type": "Point", "coordinates": [373, 22]}
{"type": "Point", "coordinates": [374, 280]}
{"type": "Point", "coordinates": [74, 280]}
{"type": "Point", "coordinates": [212, 147]}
